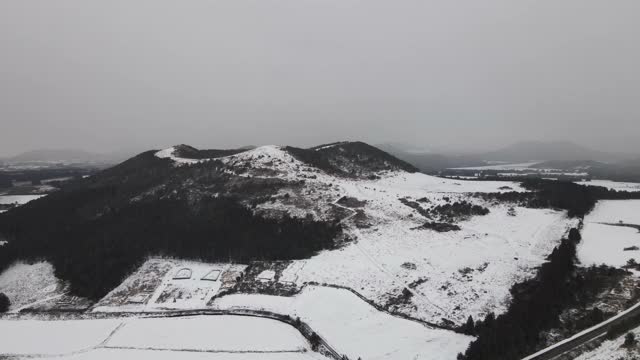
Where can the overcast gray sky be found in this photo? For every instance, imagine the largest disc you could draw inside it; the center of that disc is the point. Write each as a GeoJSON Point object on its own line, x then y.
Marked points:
{"type": "Point", "coordinates": [104, 75]}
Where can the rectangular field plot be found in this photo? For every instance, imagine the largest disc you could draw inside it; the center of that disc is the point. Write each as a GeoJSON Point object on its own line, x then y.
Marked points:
{"type": "Point", "coordinates": [209, 333]}
{"type": "Point", "coordinates": [33, 337]}
{"type": "Point", "coordinates": [608, 231]}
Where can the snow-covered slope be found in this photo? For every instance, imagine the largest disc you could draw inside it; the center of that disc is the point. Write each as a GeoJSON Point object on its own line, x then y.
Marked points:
{"type": "Point", "coordinates": [354, 327]}
{"type": "Point", "coordinates": [35, 286]}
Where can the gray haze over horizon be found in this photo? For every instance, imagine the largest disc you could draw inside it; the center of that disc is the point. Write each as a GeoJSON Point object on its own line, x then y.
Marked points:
{"type": "Point", "coordinates": [456, 75]}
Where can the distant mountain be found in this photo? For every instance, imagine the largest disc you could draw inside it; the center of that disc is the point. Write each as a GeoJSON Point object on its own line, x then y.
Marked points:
{"type": "Point", "coordinates": [63, 156]}
{"type": "Point", "coordinates": [551, 151]}
{"type": "Point", "coordinates": [431, 163]}
{"type": "Point", "coordinates": [570, 165]}
{"type": "Point", "coordinates": [55, 158]}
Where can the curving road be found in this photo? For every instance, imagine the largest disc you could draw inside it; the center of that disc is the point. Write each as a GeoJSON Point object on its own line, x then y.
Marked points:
{"type": "Point", "coordinates": [584, 336]}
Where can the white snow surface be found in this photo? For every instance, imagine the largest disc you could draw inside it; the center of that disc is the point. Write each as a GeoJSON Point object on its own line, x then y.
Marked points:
{"type": "Point", "coordinates": [33, 337]}
{"type": "Point", "coordinates": [354, 327]}
{"type": "Point", "coordinates": [18, 199]}
{"type": "Point", "coordinates": [168, 154]}
{"type": "Point", "coordinates": [219, 333]}
{"type": "Point", "coordinates": [135, 354]}
{"type": "Point", "coordinates": [489, 245]}
{"type": "Point", "coordinates": [500, 251]}
{"type": "Point", "coordinates": [27, 284]}
{"type": "Point", "coordinates": [215, 337]}
{"type": "Point", "coordinates": [604, 244]}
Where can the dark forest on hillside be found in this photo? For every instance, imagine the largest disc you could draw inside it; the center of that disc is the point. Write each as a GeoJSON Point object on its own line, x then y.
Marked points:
{"type": "Point", "coordinates": [94, 233]}
{"type": "Point", "coordinates": [96, 254]}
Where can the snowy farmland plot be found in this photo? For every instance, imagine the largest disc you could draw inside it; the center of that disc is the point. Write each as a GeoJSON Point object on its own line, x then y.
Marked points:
{"type": "Point", "coordinates": [354, 327]}
{"type": "Point", "coordinates": [35, 337]}
{"type": "Point", "coordinates": [135, 338]}
{"type": "Point", "coordinates": [134, 354]}
{"type": "Point", "coordinates": [213, 333]}
{"type": "Point", "coordinates": [608, 231]}
{"type": "Point", "coordinates": [170, 284]}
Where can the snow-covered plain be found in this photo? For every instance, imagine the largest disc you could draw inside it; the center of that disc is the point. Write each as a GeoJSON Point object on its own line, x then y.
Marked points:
{"type": "Point", "coordinates": [133, 354]}
{"type": "Point", "coordinates": [34, 337]}
{"type": "Point", "coordinates": [135, 338]}
{"type": "Point", "coordinates": [604, 244]}
{"type": "Point", "coordinates": [612, 185]}
{"type": "Point", "coordinates": [354, 327]}
{"type": "Point", "coordinates": [214, 333]}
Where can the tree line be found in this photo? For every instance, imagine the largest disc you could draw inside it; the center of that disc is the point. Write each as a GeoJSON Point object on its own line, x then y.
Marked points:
{"type": "Point", "coordinates": [537, 304]}
{"type": "Point", "coordinates": [578, 200]}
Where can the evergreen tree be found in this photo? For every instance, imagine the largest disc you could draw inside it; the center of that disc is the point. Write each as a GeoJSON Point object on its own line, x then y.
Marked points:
{"type": "Point", "coordinates": [4, 303]}
{"type": "Point", "coordinates": [469, 327]}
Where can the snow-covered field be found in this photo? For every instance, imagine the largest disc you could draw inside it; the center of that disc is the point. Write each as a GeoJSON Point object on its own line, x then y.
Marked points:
{"type": "Point", "coordinates": [354, 327]}
{"type": "Point", "coordinates": [612, 185]}
{"type": "Point", "coordinates": [135, 338]}
{"type": "Point", "coordinates": [34, 337]}
{"type": "Point", "coordinates": [604, 244]}
{"type": "Point", "coordinates": [213, 333]}
{"type": "Point", "coordinates": [132, 354]}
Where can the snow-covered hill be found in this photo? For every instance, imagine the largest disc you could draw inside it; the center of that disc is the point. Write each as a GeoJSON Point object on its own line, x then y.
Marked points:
{"type": "Point", "coordinates": [448, 275]}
